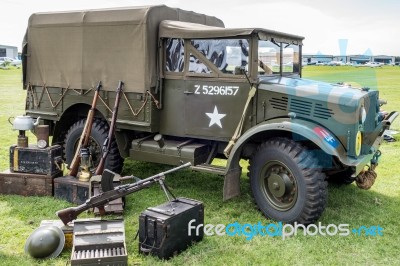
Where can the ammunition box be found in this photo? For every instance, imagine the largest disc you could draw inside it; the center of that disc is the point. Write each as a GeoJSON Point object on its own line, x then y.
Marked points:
{"type": "Point", "coordinates": [33, 160]}
{"type": "Point", "coordinates": [71, 189]}
{"type": "Point", "coordinates": [99, 242]}
{"type": "Point", "coordinates": [26, 184]}
{"type": "Point", "coordinates": [163, 230]}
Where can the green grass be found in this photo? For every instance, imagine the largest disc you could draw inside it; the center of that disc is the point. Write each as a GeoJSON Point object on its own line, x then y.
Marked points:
{"type": "Point", "coordinates": [380, 205]}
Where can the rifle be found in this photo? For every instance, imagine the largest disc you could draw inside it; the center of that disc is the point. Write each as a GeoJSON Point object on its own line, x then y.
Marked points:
{"type": "Point", "coordinates": [84, 140]}
{"type": "Point", "coordinates": [108, 141]}
{"type": "Point", "coordinates": [69, 214]}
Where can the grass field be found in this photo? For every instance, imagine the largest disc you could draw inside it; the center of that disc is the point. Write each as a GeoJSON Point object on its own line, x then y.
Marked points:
{"type": "Point", "coordinates": [380, 205]}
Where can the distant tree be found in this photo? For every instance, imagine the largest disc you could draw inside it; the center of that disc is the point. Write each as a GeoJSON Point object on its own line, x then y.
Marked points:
{"type": "Point", "coordinates": [5, 64]}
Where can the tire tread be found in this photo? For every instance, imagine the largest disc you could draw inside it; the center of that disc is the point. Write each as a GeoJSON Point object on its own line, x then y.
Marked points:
{"type": "Point", "coordinates": [315, 180]}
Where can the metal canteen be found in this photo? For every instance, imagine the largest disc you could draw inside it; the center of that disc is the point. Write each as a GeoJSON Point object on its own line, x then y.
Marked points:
{"type": "Point", "coordinates": [23, 122]}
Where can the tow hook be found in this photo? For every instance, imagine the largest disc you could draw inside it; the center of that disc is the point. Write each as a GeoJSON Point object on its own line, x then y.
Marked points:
{"type": "Point", "coordinates": [366, 178]}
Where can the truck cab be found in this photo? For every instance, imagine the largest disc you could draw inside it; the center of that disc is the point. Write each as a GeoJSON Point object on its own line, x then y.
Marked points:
{"type": "Point", "coordinates": [208, 73]}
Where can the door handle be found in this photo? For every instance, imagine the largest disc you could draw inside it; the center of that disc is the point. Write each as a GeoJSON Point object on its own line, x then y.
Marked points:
{"type": "Point", "coordinates": [188, 92]}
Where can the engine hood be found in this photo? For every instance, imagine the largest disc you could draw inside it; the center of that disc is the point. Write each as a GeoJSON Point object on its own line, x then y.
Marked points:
{"type": "Point", "coordinates": [344, 95]}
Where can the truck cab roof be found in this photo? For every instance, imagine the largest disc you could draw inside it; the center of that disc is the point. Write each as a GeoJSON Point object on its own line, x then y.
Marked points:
{"type": "Point", "coordinates": [188, 30]}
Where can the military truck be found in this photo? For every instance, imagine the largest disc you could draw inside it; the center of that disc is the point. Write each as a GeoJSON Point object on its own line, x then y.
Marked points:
{"type": "Point", "coordinates": [195, 91]}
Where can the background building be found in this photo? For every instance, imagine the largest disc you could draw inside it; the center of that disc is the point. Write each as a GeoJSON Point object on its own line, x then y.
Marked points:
{"type": "Point", "coordinates": [312, 59]}
{"type": "Point", "coordinates": [8, 51]}
{"type": "Point", "coordinates": [384, 59]}
{"type": "Point", "coordinates": [359, 59]}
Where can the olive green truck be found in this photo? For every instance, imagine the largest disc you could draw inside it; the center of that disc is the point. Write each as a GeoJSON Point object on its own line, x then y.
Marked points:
{"type": "Point", "coordinates": [194, 91]}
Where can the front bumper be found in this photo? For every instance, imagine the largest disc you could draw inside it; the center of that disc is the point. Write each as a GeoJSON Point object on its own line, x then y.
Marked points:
{"type": "Point", "coordinates": [358, 164]}
{"type": "Point", "coordinates": [388, 120]}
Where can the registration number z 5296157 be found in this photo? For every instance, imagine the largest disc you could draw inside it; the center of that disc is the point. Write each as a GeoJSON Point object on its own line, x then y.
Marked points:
{"type": "Point", "coordinates": [216, 90]}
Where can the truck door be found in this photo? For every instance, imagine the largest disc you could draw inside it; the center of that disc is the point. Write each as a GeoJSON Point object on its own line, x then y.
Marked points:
{"type": "Point", "coordinates": [215, 90]}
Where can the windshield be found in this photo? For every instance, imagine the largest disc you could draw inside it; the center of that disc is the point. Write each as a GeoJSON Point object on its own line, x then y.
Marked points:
{"type": "Point", "coordinates": [277, 58]}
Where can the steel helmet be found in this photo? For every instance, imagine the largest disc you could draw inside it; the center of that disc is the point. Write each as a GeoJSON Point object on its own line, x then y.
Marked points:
{"type": "Point", "coordinates": [45, 242]}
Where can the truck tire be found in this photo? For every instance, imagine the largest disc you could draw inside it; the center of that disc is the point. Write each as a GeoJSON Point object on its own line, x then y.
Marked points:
{"type": "Point", "coordinates": [99, 133]}
{"type": "Point", "coordinates": [286, 182]}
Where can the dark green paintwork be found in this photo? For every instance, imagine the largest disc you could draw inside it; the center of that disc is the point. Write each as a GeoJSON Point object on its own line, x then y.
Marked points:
{"type": "Point", "coordinates": [187, 103]}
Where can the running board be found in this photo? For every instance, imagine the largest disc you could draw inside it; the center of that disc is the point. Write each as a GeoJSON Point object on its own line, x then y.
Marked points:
{"type": "Point", "coordinates": [208, 168]}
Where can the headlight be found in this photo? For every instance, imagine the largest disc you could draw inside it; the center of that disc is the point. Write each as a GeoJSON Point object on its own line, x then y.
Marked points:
{"type": "Point", "coordinates": [363, 114]}
{"type": "Point", "coordinates": [358, 143]}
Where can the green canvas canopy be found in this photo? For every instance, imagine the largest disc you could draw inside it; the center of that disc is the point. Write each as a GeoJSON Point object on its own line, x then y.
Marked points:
{"type": "Point", "coordinates": [179, 29]}
{"type": "Point", "coordinates": [77, 49]}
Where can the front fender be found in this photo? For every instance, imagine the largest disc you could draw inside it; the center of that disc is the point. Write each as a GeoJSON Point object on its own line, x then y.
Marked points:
{"type": "Point", "coordinates": [301, 130]}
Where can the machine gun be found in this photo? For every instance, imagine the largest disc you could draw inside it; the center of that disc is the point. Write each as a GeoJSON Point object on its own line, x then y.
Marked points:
{"type": "Point", "coordinates": [69, 214]}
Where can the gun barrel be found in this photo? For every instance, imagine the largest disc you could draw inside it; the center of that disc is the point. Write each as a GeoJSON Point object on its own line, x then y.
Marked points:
{"type": "Point", "coordinates": [170, 171]}
{"type": "Point", "coordinates": [157, 176]}
{"type": "Point", "coordinates": [176, 168]}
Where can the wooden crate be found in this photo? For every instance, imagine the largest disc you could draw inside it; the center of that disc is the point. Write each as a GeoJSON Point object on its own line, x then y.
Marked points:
{"type": "Point", "coordinates": [69, 188]}
{"type": "Point", "coordinates": [26, 184]}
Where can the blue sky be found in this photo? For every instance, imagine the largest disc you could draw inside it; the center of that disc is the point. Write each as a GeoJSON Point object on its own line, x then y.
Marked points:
{"type": "Point", "coordinates": [367, 25]}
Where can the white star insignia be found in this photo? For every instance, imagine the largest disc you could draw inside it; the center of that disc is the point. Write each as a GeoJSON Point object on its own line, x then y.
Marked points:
{"type": "Point", "coordinates": [215, 117]}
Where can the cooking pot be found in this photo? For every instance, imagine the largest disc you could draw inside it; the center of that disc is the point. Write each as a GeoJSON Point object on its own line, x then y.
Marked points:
{"type": "Point", "coordinates": [23, 122]}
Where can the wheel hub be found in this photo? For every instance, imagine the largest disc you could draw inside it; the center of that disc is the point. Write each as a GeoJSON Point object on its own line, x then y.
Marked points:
{"type": "Point", "coordinates": [279, 186]}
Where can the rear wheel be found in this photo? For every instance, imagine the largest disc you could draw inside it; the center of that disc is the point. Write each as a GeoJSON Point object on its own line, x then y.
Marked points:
{"type": "Point", "coordinates": [286, 182]}
{"type": "Point", "coordinates": [98, 135]}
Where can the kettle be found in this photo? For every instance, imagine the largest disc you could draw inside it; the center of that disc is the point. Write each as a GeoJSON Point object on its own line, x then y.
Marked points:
{"type": "Point", "coordinates": [23, 122]}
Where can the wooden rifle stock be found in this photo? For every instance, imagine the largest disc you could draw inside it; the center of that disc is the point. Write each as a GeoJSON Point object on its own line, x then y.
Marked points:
{"type": "Point", "coordinates": [69, 214]}
{"type": "Point", "coordinates": [84, 139]}
{"type": "Point", "coordinates": [111, 131]}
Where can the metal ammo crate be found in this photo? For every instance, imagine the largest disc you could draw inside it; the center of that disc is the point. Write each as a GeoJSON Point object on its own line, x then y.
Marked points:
{"type": "Point", "coordinates": [99, 242]}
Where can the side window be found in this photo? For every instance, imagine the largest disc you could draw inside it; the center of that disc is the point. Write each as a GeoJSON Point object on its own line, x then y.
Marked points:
{"type": "Point", "coordinates": [224, 54]}
{"type": "Point", "coordinates": [197, 66]}
{"type": "Point", "coordinates": [174, 55]}
{"type": "Point", "coordinates": [268, 57]}
{"type": "Point", "coordinates": [270, 54]}
{"type": "Point", "coordinates": [290, 58]}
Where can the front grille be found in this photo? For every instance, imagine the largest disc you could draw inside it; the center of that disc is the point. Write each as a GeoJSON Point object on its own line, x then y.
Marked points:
{"type": "Point", "coordinates": [301, 107]}
{"type": "Point", "coordinates": [279, 103]}
{"type": "Point", "coordinates": [322, 112]}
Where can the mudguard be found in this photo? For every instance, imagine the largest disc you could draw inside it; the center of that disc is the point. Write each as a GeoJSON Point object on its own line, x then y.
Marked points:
{"type": "Point", "coordinates": [302, 130]}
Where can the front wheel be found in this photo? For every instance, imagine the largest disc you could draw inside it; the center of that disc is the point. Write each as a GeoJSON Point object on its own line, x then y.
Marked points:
{"type": "Point", "coordinates": [287, 183]}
